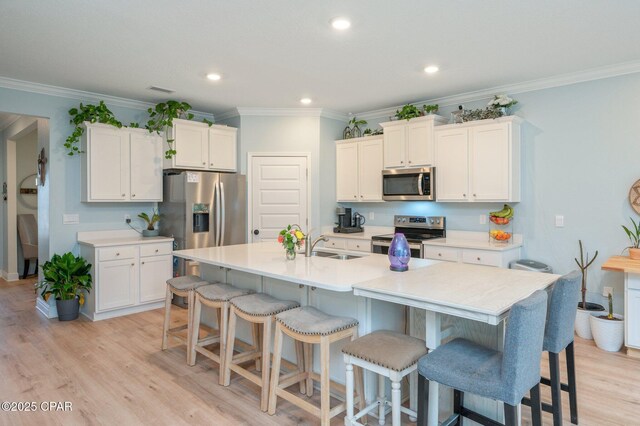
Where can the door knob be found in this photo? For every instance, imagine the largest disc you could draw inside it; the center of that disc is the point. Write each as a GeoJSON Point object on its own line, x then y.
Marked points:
{"type": "Point", "coordinates": [256, 231]}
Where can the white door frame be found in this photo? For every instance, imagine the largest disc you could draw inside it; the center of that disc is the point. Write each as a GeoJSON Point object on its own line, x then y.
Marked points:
{"type": "Point", "coordinates": [250, 157]}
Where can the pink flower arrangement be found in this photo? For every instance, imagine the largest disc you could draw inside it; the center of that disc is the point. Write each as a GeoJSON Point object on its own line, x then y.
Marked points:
{"type": "Point", "coordinates": [291, 237]}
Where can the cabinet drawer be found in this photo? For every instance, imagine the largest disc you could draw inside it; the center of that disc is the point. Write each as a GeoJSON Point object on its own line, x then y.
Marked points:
{"type": "Point", "coordinates": [359, 245]}
{"type": "Point", "coordinates": [336, 243]}
{"type": "Point", "coordinates": [155, 249]}
{"type": "Point", "coordinates": [633, 282]}
{"type": "Point", "coordinates": [116, 253]}
{"type": "Point", "coordinates": [482, 257]}
{"type": "Point", "coordinates": [441, 253]}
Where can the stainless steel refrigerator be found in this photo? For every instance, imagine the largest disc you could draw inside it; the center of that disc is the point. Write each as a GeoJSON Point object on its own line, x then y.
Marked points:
{"type": "Point", "coordinates": [203, 209]}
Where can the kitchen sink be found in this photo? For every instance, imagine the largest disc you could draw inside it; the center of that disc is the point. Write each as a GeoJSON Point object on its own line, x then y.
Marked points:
{"type": "Point", "coordinates": [338, 256]}
{"type": "Point", "coordinates": [322, 253]}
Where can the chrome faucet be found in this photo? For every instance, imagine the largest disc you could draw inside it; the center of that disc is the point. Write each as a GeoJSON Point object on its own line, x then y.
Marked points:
{"type": "Point", "coordinates": [308, 248]}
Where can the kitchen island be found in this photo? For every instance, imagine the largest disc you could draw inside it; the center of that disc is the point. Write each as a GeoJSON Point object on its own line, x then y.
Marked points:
{"type": "Point", "coordinates": [459, 300]}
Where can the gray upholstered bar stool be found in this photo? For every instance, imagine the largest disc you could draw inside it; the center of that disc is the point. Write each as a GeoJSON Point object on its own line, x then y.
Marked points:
{"type": "Point", "coordinates": [308, 326]}
{"type": "Point", "coordinates": [558, 337]}
{"type": "Point", "coordinates": [388, 354]}
{"type": "Point", "coordinates": [183, 287]}
{"type": "Point", "coordinates": [503, 376]}
{"type": "Point", "coordinates": [257, 309]}
{"type": "Point", "coordinates": [216, 296]}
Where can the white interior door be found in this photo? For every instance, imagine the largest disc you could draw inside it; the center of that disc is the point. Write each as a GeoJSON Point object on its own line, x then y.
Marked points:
{"type": "Point", "coordinates": [279, 195]}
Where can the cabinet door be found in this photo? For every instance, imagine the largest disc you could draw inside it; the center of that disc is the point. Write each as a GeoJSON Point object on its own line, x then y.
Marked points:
{"type": "Point", "coordinates": [394, 146]}
{"type": "Point", "coordinates": [146, 167]}
{"type": "Point", "coordinates": [452, 172]}
{"type": "Point", "coordinates": [191, 142]}
{"type": "Point", "coordinates": [116, 284]}
{"type": "Point", "coordinates": [108, 156]}
{"type": "Point", "coordinates": [154, 273]}
{"type": "Point", "coordinates": [489, 162]}
{"type": "Point", "coordinates": [419, 144]}
{"type": "Point", "coordinates": [347, 172]}
{"type": "Point", "coordinates": [370, 170]}
{"type": "Point", "coordinates": [222, 149]}
{"type": "Point", "coordinates": [632, 320]}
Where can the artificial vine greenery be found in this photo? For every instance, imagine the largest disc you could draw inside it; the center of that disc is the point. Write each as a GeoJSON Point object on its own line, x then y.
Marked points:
{"type": "Point", "coordinates": [160, 117]}
{"type": "Point", "coordinates": [407, 112]}
{"type": "Point", "coordinates": [91, 113]}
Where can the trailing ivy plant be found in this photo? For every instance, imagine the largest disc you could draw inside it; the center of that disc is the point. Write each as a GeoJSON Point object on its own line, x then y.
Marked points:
{"type": "Point", "coordinates": [92, 113]}
{"type": "Point", "coordinates": [408, 112]}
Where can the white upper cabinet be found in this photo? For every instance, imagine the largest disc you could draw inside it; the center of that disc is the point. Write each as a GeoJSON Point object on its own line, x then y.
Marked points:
{"type": "Point", "coordinates": [121, 164]}
{"type": "Point", "coordinates": [478, 161]}
{"type": "Point", "coordinates": [202, 147]}
{"type": "Point", "coordinates": [410, 143]}
{"type": "Point", "coordinates": [359, 169]}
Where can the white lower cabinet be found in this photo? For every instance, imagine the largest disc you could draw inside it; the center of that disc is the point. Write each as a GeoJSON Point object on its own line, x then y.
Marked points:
{"type": "Point", "coordinates": [350, 244]}
{"type": "Point", "coordinates": [127, 278]}
{"type": "Point", "coordinates": [632, 310]}
{"type": "Point", "coordinates": [497, 258]}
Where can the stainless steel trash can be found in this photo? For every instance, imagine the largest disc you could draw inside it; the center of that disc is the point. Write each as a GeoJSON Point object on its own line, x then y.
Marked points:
{"type": "Point", "coordinates": [530, 265]}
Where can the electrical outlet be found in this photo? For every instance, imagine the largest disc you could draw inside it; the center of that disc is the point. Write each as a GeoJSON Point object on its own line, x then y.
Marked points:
{"type": "Point", "coordinates": [127, 218]}
{"type": "Point", "coordinates": [483, 219]}
{"type": "Point", "coordinates": [559, 221]}
{"type": "Point", "coordinates": [371, 216]}
{"type": "Point", "coordinates": [70, 219]}
{"type": "Point", "coordinates": [606, 291]}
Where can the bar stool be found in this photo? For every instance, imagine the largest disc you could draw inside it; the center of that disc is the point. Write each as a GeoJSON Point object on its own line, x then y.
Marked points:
{"type": "Point", "coordinates": [183, 287]}
{"type": "Point", "coordinates": [215, 296]}
{"type": "Point", "coordinates": [260, 309]}
{"type": "Point", "coordinates": [558, 337]}
{"type": "Point", "coordinates": [311, 326]}
{"type": "Point", "coordinates": [503, 376]}
{"type": "Point", "coordinates": [388, 354]}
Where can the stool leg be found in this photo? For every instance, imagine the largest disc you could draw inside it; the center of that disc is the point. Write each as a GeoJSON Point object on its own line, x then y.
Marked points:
{"type": "Point", "coordinates": [458, 402]}
{"type": "Point", "coordinates": [556, 397]}
{"type": "Point", "coordinates": [510, 415]}
{"type": "Point", "coordinates": [191, 301]}
{"type": "Point", "coordinates": [571, 373]}
{"type": "Point", "coordinates": [381, 398]}
{"type": "Point", "coordinates": [308, 367]}
{"type": "Point", "coordinates": [275, 370]}
{"type": "Point", "coordinates": [167, 318]}
{"type": "Point", "coordinates": [349, 393]}
{"type": "Point", "coordinates": [423, 400]}
{"type": "Point", "coordinates": [255, 335]}
{"type": "Point", "coordinates": [325, 383]}
{"type": "Point", "coordinates": [266, 361]}
{"type": "Point", "coordinates": [395, 403]}
{"type": "Point", "coordinates": [536, 408]}
{"type": "Point", "coordinates": [224, 320]}
{"type": "Point", "coordinates": [300, 364]}
{"type": "Point", "coordinates": [195, 331]}
{"type": "Point", "coordinates": [360, 388]}
{"type": "Point", "coordinates": [231, 339]}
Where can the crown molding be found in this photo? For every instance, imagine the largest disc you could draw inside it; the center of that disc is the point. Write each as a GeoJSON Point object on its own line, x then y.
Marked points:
{"type": "Point", "coordinates": [527, 86]}
{"type": "Point", "coordinates": [81, 95]}
{"type": "Point", "coordinates": [282, 112]}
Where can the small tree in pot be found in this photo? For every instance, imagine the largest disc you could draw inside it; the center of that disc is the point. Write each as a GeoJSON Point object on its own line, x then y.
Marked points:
{"type": "Point", "coordinates": [66, 278]}
{"type": "Point", "coordinates": [585, 309]}
{"type": "Point", "coordinates": [608, 330]}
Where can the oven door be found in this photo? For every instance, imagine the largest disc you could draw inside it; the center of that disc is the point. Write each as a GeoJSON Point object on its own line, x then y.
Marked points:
{"type": "Point", "coordinates": [408, 184]}
{"type": "Point", "coordinates": [382, 247]}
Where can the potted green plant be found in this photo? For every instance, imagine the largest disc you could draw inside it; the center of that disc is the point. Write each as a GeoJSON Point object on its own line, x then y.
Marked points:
{"type": "Point", "coordinates": [585, 309]}
{"type": "Point", "coordinates": [608, 330]}
{"type": "Point", "coordinates": [408, 112]}
{"type": "Point", "coordinates": [93, 114]}
{"type": "Point", "coordinates": [355, 126]}
{"type": "Point", "coordinates": [430, 109]}
{"type": "Point", "coordinates": [66, 278]}
{"type": "Point", "coordinates": [151, 221]}
{"type": "Point", "coordinates": [502, 103]}
{"type": "Point", "coordinates": [634, 239]}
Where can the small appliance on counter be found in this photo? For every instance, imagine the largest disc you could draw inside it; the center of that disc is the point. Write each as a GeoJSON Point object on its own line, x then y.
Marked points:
{"type": "Point", "coordinates": [416, 230]}
{"type": "Point", "coordinates": [348, 224]}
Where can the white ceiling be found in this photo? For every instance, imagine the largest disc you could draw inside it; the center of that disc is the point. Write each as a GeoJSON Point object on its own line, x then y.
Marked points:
{"type": "Point", "coordinates": [272, 53]}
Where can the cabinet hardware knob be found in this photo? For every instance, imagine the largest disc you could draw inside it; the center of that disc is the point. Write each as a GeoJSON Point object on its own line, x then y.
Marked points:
{"type": "Point", "coordinates": [211, 164]}
{"type": "Point", "coordinates": [143, 263]}
{"type": "Point", "coordinates": [401, 162]}
{"type": "Point", "coordinates": [464, 195]}
{"type": "Point", "coordinates": [204, 162]}
{"type": "Point", "coordinates": [355, 196]}
{"type": "Point", "coordinates": [478, 258]}
{"type": "Point", "coordinates": [474, 195]}
{"type": "Point", "coordinates": [409, 161]}
{"type": "Point", "coordinates": [132, 264]}
{"type": "Point", "coordinates": [440, 254]}
{"type": "Point", "coordinates": [300, 285]}
{"type": "Point", "coordinates": [117, 254]}
{"type": "Point", "coordinates": [313, 289]}
{"type": "Point", "coordinates": [361, 196]}
{"type": "Point", "coordinates": [133, 195]}
{"type": "Point", "coordinates": [156, 250]}
{"type": "Point", "coordinates": [123, 195]}
{"type": "Point", "coordinates": [358, 245]}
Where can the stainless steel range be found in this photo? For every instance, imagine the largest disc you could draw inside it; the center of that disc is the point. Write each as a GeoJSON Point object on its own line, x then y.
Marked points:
{"type": "Point", "coordinates": [416, 230]}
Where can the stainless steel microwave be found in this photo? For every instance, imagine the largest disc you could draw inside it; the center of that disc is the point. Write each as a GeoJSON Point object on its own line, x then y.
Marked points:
{"type": "Point", "coordinates": [416, 184]}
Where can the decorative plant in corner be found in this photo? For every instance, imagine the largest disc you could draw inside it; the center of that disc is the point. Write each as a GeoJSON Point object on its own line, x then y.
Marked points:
{"type": "Point", "coordinates": [355, 126]}
{"type": "Point", "coordinates": [66, 278]}
{"type": "Point", "coordinates": [430, 109]}
{"type": "Point", "coordinates": [161, 118]}
{"type": "Point", "coordinates": [585, 309]}
{"type": "Point", "coordinates": [502, 102]}
{"type": "Point", "coordinates": [151, 221]}
{"type": "Point", "coordinates": [608, 330]}
{"type": "Point", "coordinates": [408, 112]}
{"type": "Point", "coordinates": [92, 113]}
{"type": "Point", "coordinates": [634, 239]}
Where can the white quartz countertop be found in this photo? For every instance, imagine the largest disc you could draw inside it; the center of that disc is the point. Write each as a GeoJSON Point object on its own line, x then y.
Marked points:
{"type": "Point", "coordinates": [473, 240]}
{"type": "Point", "coordinates": [268, 259]}
{"type": "Point", "coordinates": [117, 238]}
{"type": "Point", "coordinates": [473, 289]}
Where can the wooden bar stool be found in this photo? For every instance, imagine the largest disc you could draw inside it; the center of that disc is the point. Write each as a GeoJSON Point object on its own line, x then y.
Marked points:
{"type": "Point", "coordinates": [260, 309]}
{"type": "Point", "coordinates": [183, 287]}
{"type": "Point", "coordinates": [311, 326]}
{"type": "Point", "coordinates": [387, 354]}
{"type": "Point", "coordinates": [215, 296]}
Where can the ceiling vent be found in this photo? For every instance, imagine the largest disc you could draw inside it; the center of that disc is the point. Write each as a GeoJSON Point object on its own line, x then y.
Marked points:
{"type": "Point", "coordinates": [161, 89]}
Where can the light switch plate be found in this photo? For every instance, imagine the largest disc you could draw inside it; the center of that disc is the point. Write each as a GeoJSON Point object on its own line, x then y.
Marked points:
{"type": "Point", "coordinates": [70, 218]}
{"type": "Point", "coordinates": [606, 291]}
{"type": "Point", "coordinates": [371, 216]}
{"type": "Point", "coordinates": [483, 219]}
{"type": "Point", "coordinates": [559, 221]}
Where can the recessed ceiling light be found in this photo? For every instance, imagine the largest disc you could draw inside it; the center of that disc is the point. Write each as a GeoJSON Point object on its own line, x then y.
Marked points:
{"type": "Point", "coordinates": [340, 23]}
{"type": "Point", "coordinates": [213, 76]}
{"type": "Point", "coordinates": [431, 69]}
{"type": "Point", "coordinates": [305, 101]}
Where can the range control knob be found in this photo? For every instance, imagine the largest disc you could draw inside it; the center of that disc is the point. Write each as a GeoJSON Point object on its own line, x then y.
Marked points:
{"type": "Point", "coordinates": [431, 221]}
{"type": "Point", "coordinates": [438, 221]}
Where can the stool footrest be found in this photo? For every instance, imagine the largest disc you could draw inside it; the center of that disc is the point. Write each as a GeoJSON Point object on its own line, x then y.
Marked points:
{"type": "Point", "coordinates": [547, 381]}
{"type": "Point", "coordinates": [246, 356]}
{"type": "Point", "coordinates": [291, 379]}
{"type": "Point", "coordinates": [209, 354]}
{"type": "Point", "coordinates": [477, 417]}
{"type": "Point", "coordinates": [209, 340]}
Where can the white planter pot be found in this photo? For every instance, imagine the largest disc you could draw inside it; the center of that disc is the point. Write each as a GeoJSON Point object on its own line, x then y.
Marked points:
{"type": "Point", "coordinates": [608, 334]}
{"type": "Point", "coordinates": [582, 325]}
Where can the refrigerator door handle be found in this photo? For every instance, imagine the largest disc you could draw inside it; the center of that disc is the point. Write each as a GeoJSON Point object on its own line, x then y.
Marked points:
{"type": "Point", "coordinates": [217, 224]}
{"type": "Point", "coordinates": [222, 210]}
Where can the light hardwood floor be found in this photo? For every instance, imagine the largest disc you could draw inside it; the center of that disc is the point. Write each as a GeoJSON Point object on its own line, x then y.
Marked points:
{"type": "Point", "coordinates": [114, 372]}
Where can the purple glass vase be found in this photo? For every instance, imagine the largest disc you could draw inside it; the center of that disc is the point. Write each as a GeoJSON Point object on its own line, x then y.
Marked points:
{"type": "Point", "coordinates": [399, 253]}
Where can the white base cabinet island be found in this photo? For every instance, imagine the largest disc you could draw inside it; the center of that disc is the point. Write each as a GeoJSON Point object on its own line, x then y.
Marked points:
{"type": "Point", "coordinates": [478, 297]}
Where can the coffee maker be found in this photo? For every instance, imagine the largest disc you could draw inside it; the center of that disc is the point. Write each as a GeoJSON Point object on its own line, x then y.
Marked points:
{"type": "Point", "coordinates": [345, 222]}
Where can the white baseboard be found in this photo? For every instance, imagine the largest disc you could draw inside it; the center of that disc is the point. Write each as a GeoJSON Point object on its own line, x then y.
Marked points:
{"type": "Point", "coordinates": [10, 276]}
{"type": "Point", "coordinates": [45, 309]}
{"type": "Point", "coordinates": [97, 316]}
